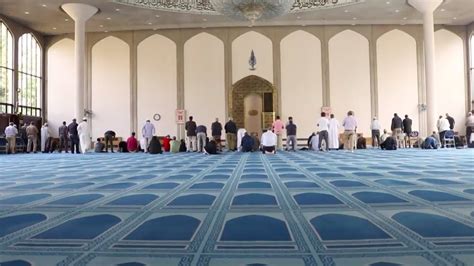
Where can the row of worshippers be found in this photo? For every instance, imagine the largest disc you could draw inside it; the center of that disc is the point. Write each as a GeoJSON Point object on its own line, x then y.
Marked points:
{"type": "Point", "coordinates": [77, 134]}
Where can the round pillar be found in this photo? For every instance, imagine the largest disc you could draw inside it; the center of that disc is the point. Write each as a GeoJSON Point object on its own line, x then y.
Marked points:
{"type": "Point", "coordinates": [80, 13]}
{"type": "Point", "coordinates": [427, 7]}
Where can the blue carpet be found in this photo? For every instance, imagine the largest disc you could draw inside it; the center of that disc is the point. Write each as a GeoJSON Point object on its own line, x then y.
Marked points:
{"type": "Point", "coordinates": [371, 207]}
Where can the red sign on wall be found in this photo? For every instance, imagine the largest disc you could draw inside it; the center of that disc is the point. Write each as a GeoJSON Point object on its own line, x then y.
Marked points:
{"type": "Point", "coordinates": [180, 116]}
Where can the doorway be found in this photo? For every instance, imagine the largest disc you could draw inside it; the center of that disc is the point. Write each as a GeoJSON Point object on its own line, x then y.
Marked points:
{"type": "Point", "coordinates": [253, 106]}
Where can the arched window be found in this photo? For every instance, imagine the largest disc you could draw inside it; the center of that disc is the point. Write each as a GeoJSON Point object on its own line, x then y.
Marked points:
{"type": "Point", "coordinates": [472, 63]}
{"type": "Point", "coordinates": [29, 75]}
{"type": "Point", "coordinates": [6, 69]}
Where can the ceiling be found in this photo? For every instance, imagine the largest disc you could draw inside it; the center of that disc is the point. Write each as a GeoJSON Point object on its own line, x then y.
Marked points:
{"type": "Point", "coordinates": [45, 16]}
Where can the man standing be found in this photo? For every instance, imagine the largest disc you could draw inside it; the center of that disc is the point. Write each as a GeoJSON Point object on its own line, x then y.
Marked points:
{"type": "Point", "coordinates": [375, 128]}
{"type": "Point", "coordinates": [278, 127]}
{"type": "Point", "coordinates": [63, 137]}
{"type": "Point", "coordinates": [148, 131]}
{"type": "Point", "coordinates": [216, 132]}
{"type": "Point", "coordinates": [109, 137]}
{"type": "Point", "coordinates": [290, 135]}
{"type": "Point", "coordinates": [191, 133]}
{"type": "Point", "coordinates": [333, 133]}
{"type": "Point", "coordinates": [73, 136]}
{"type": "Point", "coordinates": [231, 135]}
{"type": "Point", "coordinates": [397, 126]}
{"type": "Point", "coordinates": [269, 142]}
{"type": "Point", "coordinates": [469, 127]}
{"type": "Point", "coordinates": [24, 136]}
{"type": "Point", "coordinates": [451, 121]}
{"type": "Point", "coordinates": [10, 133]}
{"type": "Point", "coordinates": [44, 138]}
{"type": "Point", "coordinates": [32, 133]}
{"type": "Point", "coordinates": [323, 125]}
{"type": "Point", "coordinates": [350, 127]}
{"type": "Point", "coordinates": [84, 135]}
{"type": "Point", "coordinates": [443, 126]}
{"type": "Point", "coordinates": [201, 131]}
{"type": "Point", "coordinates": [407, 123]}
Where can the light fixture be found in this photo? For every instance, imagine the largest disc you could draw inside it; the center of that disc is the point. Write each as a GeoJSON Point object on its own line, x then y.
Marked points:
{"type": "Point", "coordinates": [109, 18]}
{"type": "Point", "coordinates": [44, 5]}
{"type": "Point", "coordinates": [396, 10]}
{"type": "Point", "coordinates": [252, 10]}
{"type": "Point", "coordinates": [117, 9]}
{"type": "Point", "coordinates": [246, 10]}
{"type": "Point", "coordinates": [27, 13]}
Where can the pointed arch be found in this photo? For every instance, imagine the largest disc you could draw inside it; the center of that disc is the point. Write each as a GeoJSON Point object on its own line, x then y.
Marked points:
{"type": "Point", "coordinates": [110, 76]}
{"type": "Point", "coordinates": [6, 68]}
{"type": "Point", "coordinates": [157, 86]}
{"type": "Point", "coordinates": [263, 50]}
{"type": "Point", "coordinates": [30, 74]}
{"type": "Point", "coordinates": [301, 74]}
{"type": "Point", "coordinates": [204, 77]}
{"type": "Point", "coordinates": [349, 75]}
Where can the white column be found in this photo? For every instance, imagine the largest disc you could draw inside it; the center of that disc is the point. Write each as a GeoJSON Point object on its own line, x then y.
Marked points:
{"type": "Point", "coordinates": [80, 13]}
{"type": "Point", "coordinates": [427, 7]}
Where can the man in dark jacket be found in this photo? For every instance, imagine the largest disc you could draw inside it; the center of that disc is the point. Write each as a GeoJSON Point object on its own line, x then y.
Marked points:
{"type": "Point", "coordinates": [23, 136]}
{"type": "Point", "coordinates": [397, 129]}
{"type": "Point", "coordinates": [451, 121]}
{"type": "Point", "coordinates": [389, 144]}
{"type": "Point", "coordinates": [407, 123]}
{"type": "Point", "coordinates": [231, 135]}
{"type": "Point", "coordinates": [216, 133]}
{"type": "Point", "coordinates": [191, 135]}
{"type": "Point", "coordinates": [290, 135]}
{"type": "Point", "coordinates": [247, 143]}
{"type": "Point", "coordinates": [109, 137]}
{"type": "Point", "coordinates": [73, 136]}
{"type": "Point", "coordinates": [63, 137]}
{"type": "Point", "coordinates": [155, 146]}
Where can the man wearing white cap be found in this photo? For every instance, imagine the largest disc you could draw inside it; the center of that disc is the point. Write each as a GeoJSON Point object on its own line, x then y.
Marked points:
{"type": "Point", "coordinates": [45, 134]}
{"type": "Point", "coordinates": [84, 135]}
{"type": "Point", "coordinates": [148, 131]}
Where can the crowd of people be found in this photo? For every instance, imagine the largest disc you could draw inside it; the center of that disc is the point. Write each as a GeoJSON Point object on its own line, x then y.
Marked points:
{"type": "Point", "coordinates": [76, 137]}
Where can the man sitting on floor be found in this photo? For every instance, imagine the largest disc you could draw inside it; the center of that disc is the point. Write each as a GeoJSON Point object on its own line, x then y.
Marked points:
{"type": "Point", "coordinates": [174, 145]}
{"type": "Point", "coordinates": [132, 143]}
{"type": "Point", "coordinates": [155, 146]}
{"type": "Point", "coordinates": [210, 147]}
{"type": "Point", "coordinates": [269, 142]}
{"type": "Point", "coordinates": [99, 146]}
{"type": "Point", "coordinates": [246, 143]}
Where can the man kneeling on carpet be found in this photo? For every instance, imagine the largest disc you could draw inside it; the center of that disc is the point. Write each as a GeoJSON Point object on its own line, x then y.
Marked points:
{"type": "Point", "coordinates": [268, 142]}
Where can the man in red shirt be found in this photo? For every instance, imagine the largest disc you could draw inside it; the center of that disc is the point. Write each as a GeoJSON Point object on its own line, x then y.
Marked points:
{"type": "Point", "coordinates": [166, 143]}
{"type": "Point", "coordinates": [132, 143]}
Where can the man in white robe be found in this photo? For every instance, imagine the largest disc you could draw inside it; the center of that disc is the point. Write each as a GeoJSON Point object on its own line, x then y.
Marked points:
{"type": "Point", "coordinates": [333, 133]}
{"type": "Point", "coordinates": [314, 142]}
{"type": "Point", "coordinates": [45, 134]}
{"type": "Point", "coordinates": [148, 131]}
{"type": "Point", "coordinates": [84, 136]}
{"type": "Point", "coordinates": [240, 134]}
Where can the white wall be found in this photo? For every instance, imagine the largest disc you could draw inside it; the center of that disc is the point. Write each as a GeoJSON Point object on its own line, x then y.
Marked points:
{"type": "Point", "coordinates": [204, 84]}
{"type": "Point", "coordinates": [350, 77]}
{"type": "Point", "coordinates": [241, 49]}
{"type": "Point", "coordinates": [450, 82]}
{"type": "Point", "coordinates": [301, 80]}
{"type": "Point", "coordinates": [157, 88]}
{"type": "Point", "coordinates": [397, 78]}
{"type": "Point", "coordinates": [60, 83]}
{"type": "Point", "coordinates": [111, 87]}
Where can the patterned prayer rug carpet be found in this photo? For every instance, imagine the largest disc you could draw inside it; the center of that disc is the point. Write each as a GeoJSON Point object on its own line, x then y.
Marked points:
{"type": "Point", "coordinates": [371, 207]}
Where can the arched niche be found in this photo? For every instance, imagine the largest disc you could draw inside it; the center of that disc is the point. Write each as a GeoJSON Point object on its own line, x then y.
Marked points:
{"type": "Point", "coordinates": [252, 85]}
{"type": "Point", "coordinates": [157, 83]}
{"type": "Point", "coordinates": [397, 78]}
{"type": "Point", "coordinates": [301, 79]}
{"type": "Point", "coordinates": [110, 97]}
{"type": "Point", "coordinates": [61, 86]}
{"type": "Point", "coordinates": [204, 78]}
{"type": "Point", "coordinates": [349, 74]}
{"type": "Point", "coordinates": [451, 94]}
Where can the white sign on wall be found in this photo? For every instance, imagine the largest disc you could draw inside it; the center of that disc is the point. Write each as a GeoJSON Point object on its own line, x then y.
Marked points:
{"type": "Point", "coordinates": [180, 117]}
